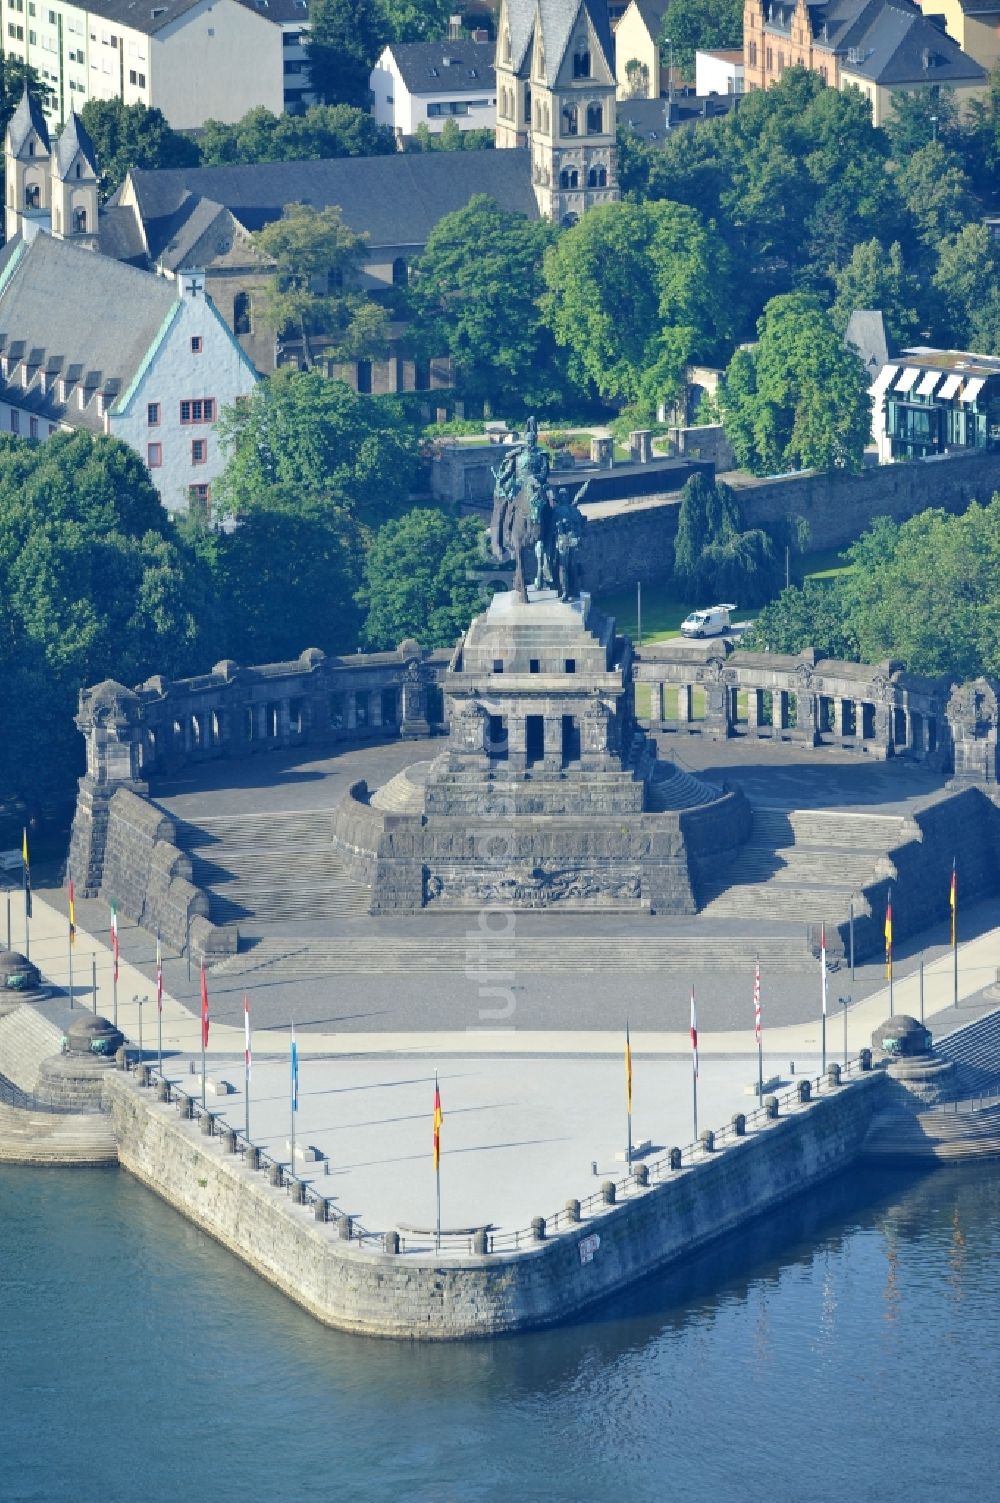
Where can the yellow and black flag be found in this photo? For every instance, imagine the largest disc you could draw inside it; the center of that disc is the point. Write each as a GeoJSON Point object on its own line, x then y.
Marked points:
{"type": "Point", "coordinates": [72, 914]}
{"type": "Point", "coordinates": [953, 900]}
{"type": "Point", "coordinates": [26, 873]}
{"type": "Point", "coordinates": [888, 938]}
{"type": "Point", "coordinates": [628, 1071]}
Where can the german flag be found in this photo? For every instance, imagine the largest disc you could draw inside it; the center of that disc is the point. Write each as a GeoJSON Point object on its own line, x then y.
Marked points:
{"type": "Point", "coordinates": [953, 901]}
{"type": "Point", "coordinates": [888, 938]}
{"type": "Point", "coordinates": [438, 1119]}
{"type": "Point", "coordinates": [26, 872]}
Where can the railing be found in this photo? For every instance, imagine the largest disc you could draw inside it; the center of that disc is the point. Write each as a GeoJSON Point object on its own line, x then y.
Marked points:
{"type": "Point", "coordinates": [602, 1202]}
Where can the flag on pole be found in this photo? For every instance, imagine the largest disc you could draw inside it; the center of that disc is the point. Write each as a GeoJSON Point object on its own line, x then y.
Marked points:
{"type": "Point", "coordinates": [114, 936]}
{"type": "Point", "coordinates": [295, 1072]}
{"type": "Point", "coordinates": [756, 1000]}
{"type": "Point", "coordinates": [438, 1119]}
{"type": "Point", "coordinates": [628, 1070]}
{"type": "Point", "coordinates": [694, 1035]}
{"type": "Point", "coordinates": [888, 938]}
{"type": "Point", "coordinates": [159, 974]}
{"type": "Point", "coordinates": [26, 873]}
{"type": "Point", "coordinates": [822, 961]}
{"type": "Point", "coordinates": [953, 899]}
{"type": "Point", "coordinates": [204, 1007]}
{"type": "Point", "coordinates": [247, 1055]}
{"type": "Point", "coordinates": [72, 914]}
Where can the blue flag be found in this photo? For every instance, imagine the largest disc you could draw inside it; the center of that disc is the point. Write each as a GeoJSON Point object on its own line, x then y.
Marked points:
{"type": "Point", "coordinates": [295, 1074]}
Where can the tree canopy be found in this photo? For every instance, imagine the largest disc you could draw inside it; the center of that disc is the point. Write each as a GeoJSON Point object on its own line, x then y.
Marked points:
{"type": "Point", "coordinates": [798, 399]}
{"type": "Point", "coordinates": [715, 554]}
{"type": "Point", "coordinates": [132, 135]}
{"type": "Point", "coordinates": [420, 579]}
{"type": "Point", "coordinates": [345, 39]}
{"type": "Point", "coordinates": [699, 24]}
{"type": "Point", "coordinates": [323, 131]}
{"type": "Point", "coordinates": [635, 292]}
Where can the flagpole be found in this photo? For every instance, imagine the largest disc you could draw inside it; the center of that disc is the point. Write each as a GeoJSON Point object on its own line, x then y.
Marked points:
{"type": "Point", "coordinates": [822, 961]}
{"type": "Point", "coordinates": [246, 1066]}
{"type": "Point", "coordinates": [757, 1030]}
{"type": "Point", "coordinates": [204, 1032]}
{"type": "Point", "coordinates": [628, 1098]}
{"type": "Point", "coordinates": [93, 980]}
{"type": "Point", "coordinates": [26, 889]}
{"type": "Point", "coordinates": [292, 1113]}
{"type": "Point", "coordinates": [114, 961]}
{"type": "Point", "coordinates": [70, 950]}
{"type": "Point", "coordinates": [437, 1164]}
{"type": "Point", "coordinates": [954, 926]}
{"type": "Point", "coordinates": [888, 953]}
{"type": "Point", "coordinates": [694, 1064]}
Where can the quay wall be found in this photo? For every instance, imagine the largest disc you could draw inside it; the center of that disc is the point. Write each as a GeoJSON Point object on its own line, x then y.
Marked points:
{"type": "Point", "coordinates": [446, 1296]}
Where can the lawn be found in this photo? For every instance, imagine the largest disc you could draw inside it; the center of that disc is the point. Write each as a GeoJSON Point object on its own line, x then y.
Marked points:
{"type": "Point", "coordinates": [663, 609]}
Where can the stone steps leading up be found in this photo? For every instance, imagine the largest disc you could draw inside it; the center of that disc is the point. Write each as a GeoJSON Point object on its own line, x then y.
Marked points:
{"type": "Point", "coordinates": [936, 1134]}
{"type": "Point", "coordinates": [778, 826]}
{"type": "Point", "coordinates": [399, 796]}
{"type": "Point", "coordinates": [631, 954]}
{"type": "Point", "coordinates": [26, 1038]}
{"type": "Point", "coordinates": [975, 1050]}
{"type": "Point", "coordinates": [680, 791]}
{"type": "Point", "coordinates": [55, 1138]}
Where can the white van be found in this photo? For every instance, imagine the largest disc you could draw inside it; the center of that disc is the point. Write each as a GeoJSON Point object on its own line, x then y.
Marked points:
{"type": "Point", "coordinates": [707, 623]}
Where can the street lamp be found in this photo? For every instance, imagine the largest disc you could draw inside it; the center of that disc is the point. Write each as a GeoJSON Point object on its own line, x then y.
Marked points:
{"type": "Point", "coordinates": [845, 1003]}
{"type": "Point", "coordinates": [934, 121]}
{"type": "Point", "coordinates": [670, 81]}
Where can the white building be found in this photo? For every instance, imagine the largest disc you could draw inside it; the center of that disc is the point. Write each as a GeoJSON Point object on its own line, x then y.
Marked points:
{"type": "Point", "coordinates": [427, 83]}
{"type": "Point", "coordinates": [719, 72]}
{"type": "Point", "coordinates": [213, 59]}
{"type": "Point", "coordinates": [89, 342]}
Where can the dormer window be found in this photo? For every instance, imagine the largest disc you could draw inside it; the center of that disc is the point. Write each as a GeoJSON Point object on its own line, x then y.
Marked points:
{"type": "Point", "coordinates": [32, 196]}
{"type": "Point", "coordinates": [581, 62]}
{"type": "Point", "coordinates": [79, 170]}
{"type": "Point", "coordinates": [79, 221]}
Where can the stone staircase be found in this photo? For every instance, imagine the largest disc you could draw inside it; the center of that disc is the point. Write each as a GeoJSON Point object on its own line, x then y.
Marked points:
{"type": "Point", "coordinates": [276, 867]}
{"type": "Point", "coordinates": [565, 954]}
{"type": "Point", "coordinates": [26, 1038]}
{"type": "Point", "coordinates": [673, 788]}
{"type": "Point", "coordinates": [403, 794]}
{"type": "Point", "coordinates": [805, 864]}
{"type": "Point", "coordinates": [975, 1051]}
{"type": "Point", "coordinates": [965, 1131]}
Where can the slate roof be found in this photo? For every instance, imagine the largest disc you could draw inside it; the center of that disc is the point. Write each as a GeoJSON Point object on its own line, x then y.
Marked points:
{"type": "Point", "coordinates": [558, 17]}
{"type": "Point", "coordinates": [151, 16]}
{"type": "Point", "coordinates": [423, 69]}
{"type": "Point", "coordinates": [73, 139]}
{"type": "Point", "coordinates": [652, 13]}
{"type": "Point", "coordinates": [119, 235]}
{"type": "Point", "coordinates": [866, 335]}
{"type": "Point", "coordinates": [27, 117]}
{"type": "Point", "coordinates": [395, 200]}
{"type": "Point", "coordinates": [647, 118]}
{"type": "Point", "coordinates": [79, 316]}
{"type": "Point", "coordinates": [901, 46]}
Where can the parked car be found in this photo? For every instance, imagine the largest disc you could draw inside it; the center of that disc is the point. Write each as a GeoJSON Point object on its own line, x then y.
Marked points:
{"type": "Point", "coordinates": [708, 622]}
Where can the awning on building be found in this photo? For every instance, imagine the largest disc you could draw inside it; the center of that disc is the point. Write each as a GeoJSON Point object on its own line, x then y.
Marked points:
{"type": "Point", "coordinates": [928, 383]}
{"type": "Point", "coordinates": [948, 390]}
{"type": "Point", "coordinates": [906, 380]}
{"type": "Point", "coordinates": [972, 389]}
{"type": "Point", "coordinates": [882, 380]}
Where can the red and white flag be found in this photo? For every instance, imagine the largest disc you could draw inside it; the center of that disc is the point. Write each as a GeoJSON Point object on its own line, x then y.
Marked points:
{"type": "Point", "coordinates": [204, 1008]}
{"type": "Point", "coordinates": [247, 1055]}
{"type": "Point", "coordinates": [159, 974]}
{"type": "Point", "coordinates": [822, 962]}
{"type": "Point", "coordinates": [114, 937]}
{"type": "Point", "coordinates": [756, 1000]}
{"type": "Point", "coordinates": [694, 1035]}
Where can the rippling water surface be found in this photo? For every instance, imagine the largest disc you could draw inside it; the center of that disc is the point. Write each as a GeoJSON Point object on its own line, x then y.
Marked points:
{"type": "Point", "coordinates": [850, 1349]}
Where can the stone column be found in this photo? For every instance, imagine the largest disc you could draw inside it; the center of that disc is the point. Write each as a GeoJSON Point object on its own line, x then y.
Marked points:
{"type": "Point", "coordinates": [883, 730]}
{"type": "Point", "coordinates": [351, 707]}
{"type": "Point", "coordinates": [375, 708]}
{"type": "Point", "coordinates": [601, 451]}
{"type": "Point", "coordinates": [755, 711]}
{"type": "Point", "coordinates": [779, 710]}
{"type": "Point", "coordinates": [552, 743]}
{"type": "Point", "coordinates": [684, 704]}
{"type": "Point", "coordinates": [806, 716]}
{"type": "Point", "coordinates": [517, 742]}
{"type": "Point", "coordinates": [656, 702]}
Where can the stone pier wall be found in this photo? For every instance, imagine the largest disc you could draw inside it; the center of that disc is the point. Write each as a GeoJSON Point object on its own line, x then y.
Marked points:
{"type": "Point", "coordinates": [449, 1297]}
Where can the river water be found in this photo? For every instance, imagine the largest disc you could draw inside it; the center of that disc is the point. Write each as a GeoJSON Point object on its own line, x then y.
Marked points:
{"type": "Point", "coordinates": [849, 1348]}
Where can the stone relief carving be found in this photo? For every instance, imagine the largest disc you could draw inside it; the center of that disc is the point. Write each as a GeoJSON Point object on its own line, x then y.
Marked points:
{"type": "Point", "coordinates": [534, 887]}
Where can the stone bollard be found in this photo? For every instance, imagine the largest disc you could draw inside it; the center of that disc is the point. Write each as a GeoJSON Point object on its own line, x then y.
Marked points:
{"type": "Point", "coordinates": [601, 450]}
{"type": "Point", "coordinates": [739, 1122]}
{"type": "Point", "coordinates": [707, 1140]}
{"type": "Point", "coordinates": [538, 1228]}
{"type": "Point", "coordinates": [640, 443]}
{"type": "Point", "coordinates": [481, 1242]}
{"type": "Point", "coordinates": [253, 1156]}
{"type": "Point", "coordinates": [641, 1172]}
{"type": "Point", "coordinates": [229, 1140]}
{"type": "Point", "coordinates": [345, 1228]}
{"type": "Point", "coordinates": [184, 1108]}
{"type": "Point", "coordinates": [142, 1074]}
{"type": "Point", "coordinates": [164, 1090]}
{"type": "Point", "coordinates": [608, 1192]}
{"type": "Point", "coordinates": [833, 1075]}
{"type": "Point", "coordinates": [674, 1158]}
{"type": "Point", "coordinates": [392, 1243]}
{"type": "Point", "coordinates": [805, 1090]}
{"type": "Point", "coordinates": [206, 1124]}
{"type": "Point", "coordinates": [275, 1175]}
{"type": "Point", "coordinates": [299, 1192]}
{"type": "Point", "coordinates": [865, 1059]}
{"type": "Point", "coordinates": [770, 1106]}
{"type": "Point", "coordinates": [572, 1210]}
{"type": "Point", "coordinates": [121, 1058]}
{"type": "Point", "coordinates": [319, 1208]}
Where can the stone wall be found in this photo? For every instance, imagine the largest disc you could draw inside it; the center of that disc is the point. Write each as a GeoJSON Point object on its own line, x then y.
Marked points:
{"type": "Point", "coordinates": [447, 1296]}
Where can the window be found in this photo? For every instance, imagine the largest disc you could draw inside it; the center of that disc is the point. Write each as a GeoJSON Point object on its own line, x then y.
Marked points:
{"type": "Point", "coordinates": [154, 456]}
{"type": "Point", "coordinates": [569, 178]}
{"type": "Point", "coordinates": [242, 313]}
{"type": "Point", "coordinates": [15, 421]}
{"type": "Point", "coordinates": [196, 344]}
{"type": "Point", "coordinates": [198, 410]}
{"type": "Point", "coordinates": [753, 55]}
{"type": "Point", "coordinates": [153, 414]}
{"type": "Point", "coordinates": [581, 63]}
{"type": "Point", "coordinates": [769, 60]}
{"type": "Point", "coordinates": [79, 221]}
{"type": "Point", "coordinates": [597, 177]}
{"type": "Point", "coordinates": [199, 450]}
{"type": "Point", "coordinates": [200, 495]}
{"type": "Point", "coordinates": [32, 196]}
{"type": "Point", "coordinates": [133, 76]}
{"type": "Point", "coordinates": [400, 272]}
{"type": "Point", "coordinates": [142, 80]}
{"type": "Point", "coordinates": [569, 120]}
{"type": "Point", "coordinates": [33, 427]}
{"type": "Point", "coordinates": [595, 119]}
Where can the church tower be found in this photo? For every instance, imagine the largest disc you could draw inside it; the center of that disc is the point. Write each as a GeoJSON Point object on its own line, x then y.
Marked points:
{"type": "Point", "coordinates": [556, 95]}
{"type": "Point", "coordinates": [26, 165]}
{"type": "Point", "coordinates": [74, 185]}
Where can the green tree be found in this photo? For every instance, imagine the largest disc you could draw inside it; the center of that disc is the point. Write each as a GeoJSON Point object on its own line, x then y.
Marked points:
{"type": "Point", "coordinates": [967, 281]}
{"type": "Point", "coordinates": [799, 400]}
{"type": "Point", "coordinates": [417, 20]}
{"type": "Point", "coordinates": [920, 116]}
{"type": "Point", "coordinates": [95, 583]}
{"type": "Point", "coordinates": [420, 579]}
{"type": "Point", "coordinates": [936, 192]}
{"type": "Point", "coordinates": [312, 290]}
{"type": "Point", "coordinates": [345, 38]}
{"type": "Point", "coordinates": [323, 131]}
{"type": "Point", "coordinates": [300, 433]}
{"type": "Point", "coordinates": [476, 294]}
{"type": "Point", "coordinates": [810, 615]}
{"type": "Point", "coordinates": [876, 278]}
{"type": "Point", "coordinates": [714, 554]}
{"type": "Point", "coordinates": [635, 292]}
{"type": "Point", "coordinates": [132, 135]}
{"type": "Point", "coordinates": [450, 137]}
{"type": "Point", "coordinates": [699, 24]}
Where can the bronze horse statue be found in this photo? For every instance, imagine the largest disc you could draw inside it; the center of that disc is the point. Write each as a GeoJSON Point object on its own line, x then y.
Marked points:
{"type": "Point", "coordinates": [522, 514]}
